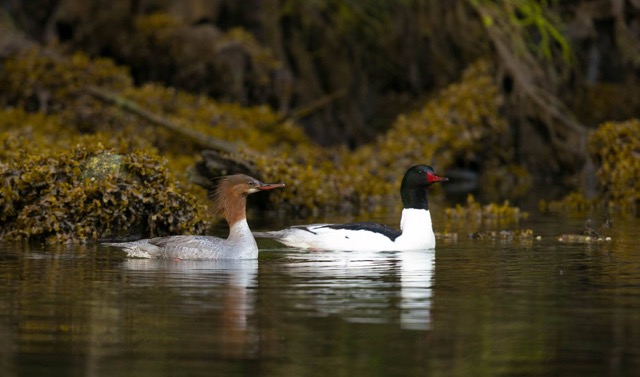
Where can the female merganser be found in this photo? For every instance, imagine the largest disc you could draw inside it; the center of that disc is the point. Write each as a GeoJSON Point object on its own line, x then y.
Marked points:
{"type": "Point", "coordinates": [229, 200]}
{"type": "Point", "coordinates": [415, 232]}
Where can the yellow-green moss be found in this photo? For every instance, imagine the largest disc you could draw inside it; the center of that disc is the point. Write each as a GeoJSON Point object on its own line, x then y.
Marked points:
{"type": "Point", "coordinates": [44, 81]}
{"type": "Point", "coordinates": [574, 202]}
{"type": "Point", "coordinates": [475, 213]}
{"type": "Point", "coordinates": [256, 127]}
{"type": "Point", "coordinates": [615, 149]}
{"type": "Point", "coordinates": [57, 197]}
{"type": "Point", "coordinates": [23, 133]}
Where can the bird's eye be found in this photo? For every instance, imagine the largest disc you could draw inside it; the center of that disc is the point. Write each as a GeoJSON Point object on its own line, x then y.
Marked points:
{"type": "Point", "coordinates": [252, 183]}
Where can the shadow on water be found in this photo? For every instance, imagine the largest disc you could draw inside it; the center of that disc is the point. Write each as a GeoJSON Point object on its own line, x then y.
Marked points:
{"type": "Point", "coordinates": [468, 308]}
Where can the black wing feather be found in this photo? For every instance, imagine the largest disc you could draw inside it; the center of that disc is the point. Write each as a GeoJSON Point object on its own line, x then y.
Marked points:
{"type": "Point", "coordinates": [386, 231]}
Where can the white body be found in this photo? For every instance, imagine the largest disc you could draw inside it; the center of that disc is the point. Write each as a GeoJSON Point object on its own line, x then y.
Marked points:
{"type": "Point", "coordinates": [239, 245]}
{"type": "Point", "coordinates": [417, 234]}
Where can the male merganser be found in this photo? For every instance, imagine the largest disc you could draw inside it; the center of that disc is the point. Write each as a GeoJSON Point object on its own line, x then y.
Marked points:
{"type": "Point", "coordinates": [229, 200]}
{"type": "Point", "coordinates": [415, 232]}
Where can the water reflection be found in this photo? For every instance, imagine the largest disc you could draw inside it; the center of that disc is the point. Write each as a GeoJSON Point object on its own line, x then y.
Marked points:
{"type": "Point", "coordinates": [365, 287]}
{"type": "Point", "coordinates": [231, 284]}
{"type": "Point", "coordinates": [94, 314]}
{"type": "Point", "coordinates": [489, 308]}
{"type": "Point", "coordinates": [417, 274]}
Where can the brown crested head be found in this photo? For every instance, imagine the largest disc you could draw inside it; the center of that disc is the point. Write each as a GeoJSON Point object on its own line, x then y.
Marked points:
{"type": "Point", "coordinates": [230, 196]}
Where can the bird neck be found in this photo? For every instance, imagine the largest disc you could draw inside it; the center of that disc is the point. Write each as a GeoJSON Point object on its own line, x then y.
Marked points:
{"type": "Point", "coordinates": [414, 198]}
{"type": "Point", "coordinates": [240, 243]}
{"type": "Point", "coordinates": [235, 209]}
{"type": "Point", "coordinates": [240, 231]}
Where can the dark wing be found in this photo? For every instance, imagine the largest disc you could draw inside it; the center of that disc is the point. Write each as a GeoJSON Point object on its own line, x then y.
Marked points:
{"type": "Point", "coordinates": [386, 231]}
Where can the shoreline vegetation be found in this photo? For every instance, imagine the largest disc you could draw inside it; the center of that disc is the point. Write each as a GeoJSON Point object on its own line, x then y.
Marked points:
{"type": "Point", "coordinates": [93, 149]}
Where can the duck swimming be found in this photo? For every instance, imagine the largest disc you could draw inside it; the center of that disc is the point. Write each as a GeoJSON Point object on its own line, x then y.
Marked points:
{"type": "Point", "coordinates": [229, 200]}
{"type": "Point", "coordinates": [416, 230]}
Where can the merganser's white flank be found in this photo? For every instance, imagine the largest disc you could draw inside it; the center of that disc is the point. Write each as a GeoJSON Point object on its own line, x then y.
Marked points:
{"type": "Point", "coordinates": [229, 200]}
{"type": "Point", "coordinates": [416, 231]}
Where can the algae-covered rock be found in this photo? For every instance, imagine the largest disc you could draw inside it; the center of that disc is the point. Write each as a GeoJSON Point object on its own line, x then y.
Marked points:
{"type": "Point", "coordinates": [573, 202]}
{"type": "Point", "coordinates": [81, 195]}
{"type": "Point", "coordinates": [473, 213]}
{"type": "Point", "coordinates": [49, 107]}
{"type": "Point", "coordinates": [615, 149]}
{"type": "Point", "coordinates": [503, 235]}
{"type": "Point", "coordinates": [102, 166]}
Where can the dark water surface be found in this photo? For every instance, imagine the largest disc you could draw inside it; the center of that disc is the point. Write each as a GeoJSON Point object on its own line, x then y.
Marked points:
{"type": "Point", "coordinates": [470, 308]}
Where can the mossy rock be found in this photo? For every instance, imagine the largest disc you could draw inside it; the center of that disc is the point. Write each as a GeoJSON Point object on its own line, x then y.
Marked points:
{"type": "Point", "coordinates": [475, 214]}
{"type": "Point", "coordinates": [105, 166]}
{"type": "Point", "coordinates": [90, 194]}
{"type": "Point", "coordinates": [615, 147]}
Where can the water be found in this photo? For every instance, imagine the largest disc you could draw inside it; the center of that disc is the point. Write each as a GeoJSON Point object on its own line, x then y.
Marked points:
{"type": "Point", "coordinates": [470, 308]}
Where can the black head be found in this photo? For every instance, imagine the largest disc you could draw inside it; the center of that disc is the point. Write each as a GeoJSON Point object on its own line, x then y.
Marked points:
{"type": "Point", "coordinates": [415, 183]}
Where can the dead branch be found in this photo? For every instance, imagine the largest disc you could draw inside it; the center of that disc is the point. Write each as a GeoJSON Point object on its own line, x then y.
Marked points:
{"type": "Point", "coordinates": [313, 106]}
{"type": "Point", "coordinates": [126, 104]}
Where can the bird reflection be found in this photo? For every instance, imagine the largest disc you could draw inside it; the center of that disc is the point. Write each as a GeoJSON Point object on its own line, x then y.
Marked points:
{"type": "Point", "coordinates": [364, 286]}
{"type": "Point", "coordinates": [215, 290]}
{"type": "Point", "coordinates": [416, 269]}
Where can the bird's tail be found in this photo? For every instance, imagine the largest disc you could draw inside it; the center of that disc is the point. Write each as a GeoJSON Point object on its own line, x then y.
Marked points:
{"type": "Point", "coordinates": [275, 234]}
{"type": "Point", "coordinates": [135, 249]}
{"type": "Point", "coordinates": [117, 244]}
{"type": "Point", "coordinates": [122, 245]}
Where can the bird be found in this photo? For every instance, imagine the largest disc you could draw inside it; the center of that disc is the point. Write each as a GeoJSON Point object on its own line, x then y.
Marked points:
{"type": "Point", "coordinates": [229, 200]}
{"type": "Point", "coordinates": [416, 231]}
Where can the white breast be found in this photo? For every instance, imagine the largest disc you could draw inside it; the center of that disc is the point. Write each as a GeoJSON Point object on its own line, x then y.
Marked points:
{"type": "Point", "coordinates": [417, 230]}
